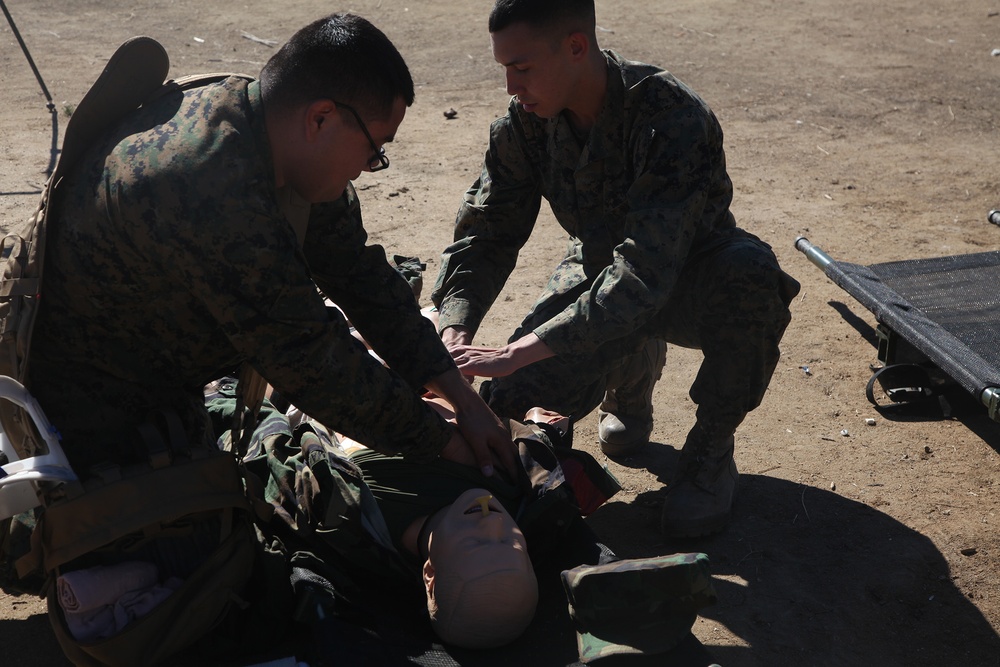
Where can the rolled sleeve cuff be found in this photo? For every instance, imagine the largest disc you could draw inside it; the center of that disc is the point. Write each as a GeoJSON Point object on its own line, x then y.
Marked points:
{"type": "Point", "coordinates": [458, 313]}
{"type": "Point", "coordinates": [564, 337]}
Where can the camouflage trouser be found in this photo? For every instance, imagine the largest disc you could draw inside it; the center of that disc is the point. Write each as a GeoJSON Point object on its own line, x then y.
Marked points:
{"type": "Point", "coordinates": [730, 302]}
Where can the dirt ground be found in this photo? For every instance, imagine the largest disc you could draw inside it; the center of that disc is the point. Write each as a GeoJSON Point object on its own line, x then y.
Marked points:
{"type": "Point", "coordinates": [867, 127]}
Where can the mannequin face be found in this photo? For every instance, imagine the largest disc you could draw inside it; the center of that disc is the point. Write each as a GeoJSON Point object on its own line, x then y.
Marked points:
{"type": "Point", "coordinates": [469, 544]}
{"type": "Point", "coordinates": [481, 588]}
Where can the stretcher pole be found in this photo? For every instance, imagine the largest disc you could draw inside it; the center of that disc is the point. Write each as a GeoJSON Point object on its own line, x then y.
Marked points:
{"type": "Point", "coordinates": [989, 397]}
{"type": "Point", "coordinates": [815, 255]}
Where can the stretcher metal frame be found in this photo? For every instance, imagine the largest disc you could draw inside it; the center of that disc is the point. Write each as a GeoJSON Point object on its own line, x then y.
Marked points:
{"type": "Point", "coordinates": [905, 325]}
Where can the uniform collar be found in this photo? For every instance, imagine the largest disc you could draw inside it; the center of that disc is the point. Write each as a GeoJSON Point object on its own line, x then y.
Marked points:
{"type": "Point", "coordinates": [258, 126]}
{"type": "Point", "coordinates": [605, 136]}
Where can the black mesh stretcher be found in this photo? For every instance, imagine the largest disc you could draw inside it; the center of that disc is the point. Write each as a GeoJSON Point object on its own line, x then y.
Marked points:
{"type": "Point", "coordinates": [946, 308]}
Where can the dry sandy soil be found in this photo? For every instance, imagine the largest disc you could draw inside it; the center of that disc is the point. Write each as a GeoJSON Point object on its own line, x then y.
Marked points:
{"type": "Point", "coordinates": [868, 127]}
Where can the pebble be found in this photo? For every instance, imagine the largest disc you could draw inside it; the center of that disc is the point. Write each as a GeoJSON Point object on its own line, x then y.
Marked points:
{"type": "Point", "coordinates": [970, 551]}
{"type": "Point", "coordinates": [870, 421]}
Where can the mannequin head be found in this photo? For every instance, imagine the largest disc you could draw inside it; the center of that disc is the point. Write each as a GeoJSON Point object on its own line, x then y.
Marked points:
{"type": "Point", "coordinates": [481, 588]}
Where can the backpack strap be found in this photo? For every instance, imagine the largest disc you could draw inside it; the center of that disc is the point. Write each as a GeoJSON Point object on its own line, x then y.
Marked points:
{"type": "Point", "coordinates": [192, 81]}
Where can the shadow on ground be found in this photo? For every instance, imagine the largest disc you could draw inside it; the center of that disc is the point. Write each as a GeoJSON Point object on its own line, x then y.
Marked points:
{"type": "Point", "coordinates": [806, 576]}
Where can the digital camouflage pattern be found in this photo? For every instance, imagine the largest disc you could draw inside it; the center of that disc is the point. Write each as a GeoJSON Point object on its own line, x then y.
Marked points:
{"type": "Point", "coordinates": [171, 261]}
{"type": "Point", "coordinates": [644, 605]}
{"type": "Point", "coordinates": [654, 251]}
{"type": "Point", "coordinates": [349, 511]}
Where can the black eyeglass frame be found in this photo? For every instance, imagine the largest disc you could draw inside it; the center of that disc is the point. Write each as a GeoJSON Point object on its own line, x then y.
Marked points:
{"type": "Point", "coordinates": [379, 161]}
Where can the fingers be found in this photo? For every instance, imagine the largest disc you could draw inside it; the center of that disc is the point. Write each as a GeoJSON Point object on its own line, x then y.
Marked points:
{"type": "Point", "coordinates": [485, 437]}
{"type": "Point", "coordinates": [506, 451]}
{"type": "Point", "coordinates": [459, 450]}
{"type": "Point", "coordinates": [483, 458]}
{"type": "Point", "coordinates": [495, 448]}
{"type": "Point", "coordinates": [473, 452]}
{"type": "Point", "coordinates": [490, 445]}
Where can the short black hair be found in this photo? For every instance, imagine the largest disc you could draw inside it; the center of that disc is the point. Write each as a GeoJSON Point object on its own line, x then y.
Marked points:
{"type": "Point", "coordinates": [543, 14]}
{"type": "Point", "coordinates": [340, 57]}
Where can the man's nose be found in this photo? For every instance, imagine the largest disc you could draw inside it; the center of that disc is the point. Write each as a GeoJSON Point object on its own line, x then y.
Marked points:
{"type": "Point", "coordinates": [512, 86]}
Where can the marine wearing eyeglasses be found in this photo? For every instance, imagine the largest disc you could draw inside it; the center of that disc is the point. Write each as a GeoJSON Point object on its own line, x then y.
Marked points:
{"type": "Point", "coordinates": [193, 236]}
{"type": "Point", "coordinates": [378, 160]}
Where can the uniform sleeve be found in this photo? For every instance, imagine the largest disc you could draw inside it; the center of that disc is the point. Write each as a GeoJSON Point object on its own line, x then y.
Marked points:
{"type": "Point", "coordinates": [375, 297]}
{"type": "Point", "coordinates": [255, 282]}
{"type": "Point", "coordinates": [679, 192]}
{"type": "Point", "coordinates": [493, 224]}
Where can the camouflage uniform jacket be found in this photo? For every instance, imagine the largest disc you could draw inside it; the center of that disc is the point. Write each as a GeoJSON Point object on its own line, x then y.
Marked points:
{"type": "Point", "coordinates": [646, 192]}
{"type": "Point", "coordinates": [171, 262]}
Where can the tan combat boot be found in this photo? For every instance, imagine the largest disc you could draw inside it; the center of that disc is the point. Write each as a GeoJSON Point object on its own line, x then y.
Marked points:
{"type": "Point", "coordinates": [699, 500]}
{"type": "Point", "coordinates": [625, 416]}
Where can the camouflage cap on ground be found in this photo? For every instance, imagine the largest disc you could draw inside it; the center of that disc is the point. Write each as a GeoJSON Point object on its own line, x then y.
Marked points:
{"type": "Point", "coordinates": [644, 606]}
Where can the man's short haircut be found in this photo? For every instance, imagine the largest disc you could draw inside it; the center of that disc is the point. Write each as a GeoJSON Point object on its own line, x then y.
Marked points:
{"type": "Point", "coordinates": [543, 14]}
{"type": "Point", "coordinates": [341, 57]}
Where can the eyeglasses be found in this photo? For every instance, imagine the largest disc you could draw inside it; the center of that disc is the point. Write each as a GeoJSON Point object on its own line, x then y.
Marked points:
{"type": "Point", "coordinates": [378, 161]}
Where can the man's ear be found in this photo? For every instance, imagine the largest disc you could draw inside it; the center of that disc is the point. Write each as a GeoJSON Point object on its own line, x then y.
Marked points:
{"type": "Point", "coordinates": [317, 117]}
{"type": "Point", "coordinates": [428, 576]}
{"type": "Point", "coordinates": [579, 45]}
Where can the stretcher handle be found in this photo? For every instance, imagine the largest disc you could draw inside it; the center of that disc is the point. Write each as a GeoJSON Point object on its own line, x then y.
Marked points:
{"type": "Point", "coordinates": [815, 255]}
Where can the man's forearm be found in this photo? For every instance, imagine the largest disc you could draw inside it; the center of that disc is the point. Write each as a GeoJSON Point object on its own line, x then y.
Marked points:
{"type": "Point", "coordinates": [500, 361]}
{"type": "Point", "coordinates": [455, 336]}
{"type": "Point", "coordinates": [528, 349]}
{"type": "Point", "coordinates": [453, 387]}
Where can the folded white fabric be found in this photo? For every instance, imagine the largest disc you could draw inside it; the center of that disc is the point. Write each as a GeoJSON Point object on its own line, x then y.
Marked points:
{"type": "Point", "coordinates": [108, 620]}
{"type": "Point", "coordinates": [85, 590]}
{"type": "Point", "coordinates": [88, 626]}
{"type": "Point", "coordinates": [136, 604]}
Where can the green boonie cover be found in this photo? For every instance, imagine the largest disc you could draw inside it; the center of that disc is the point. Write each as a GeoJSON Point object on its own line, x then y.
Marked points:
{"type": "Point", "coordinates": [638, 606]}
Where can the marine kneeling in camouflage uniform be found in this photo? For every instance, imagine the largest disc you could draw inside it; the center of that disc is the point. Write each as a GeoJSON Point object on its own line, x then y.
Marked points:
{"type": "Point", "coordinates": [631, 162]}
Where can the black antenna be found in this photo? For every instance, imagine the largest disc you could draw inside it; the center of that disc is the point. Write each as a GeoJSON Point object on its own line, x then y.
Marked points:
{"type": "Point", "coordinates": [50, 105]}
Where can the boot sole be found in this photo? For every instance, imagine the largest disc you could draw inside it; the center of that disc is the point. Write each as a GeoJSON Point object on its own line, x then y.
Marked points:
{"type": "Point", "coordinates": [620, 451]}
